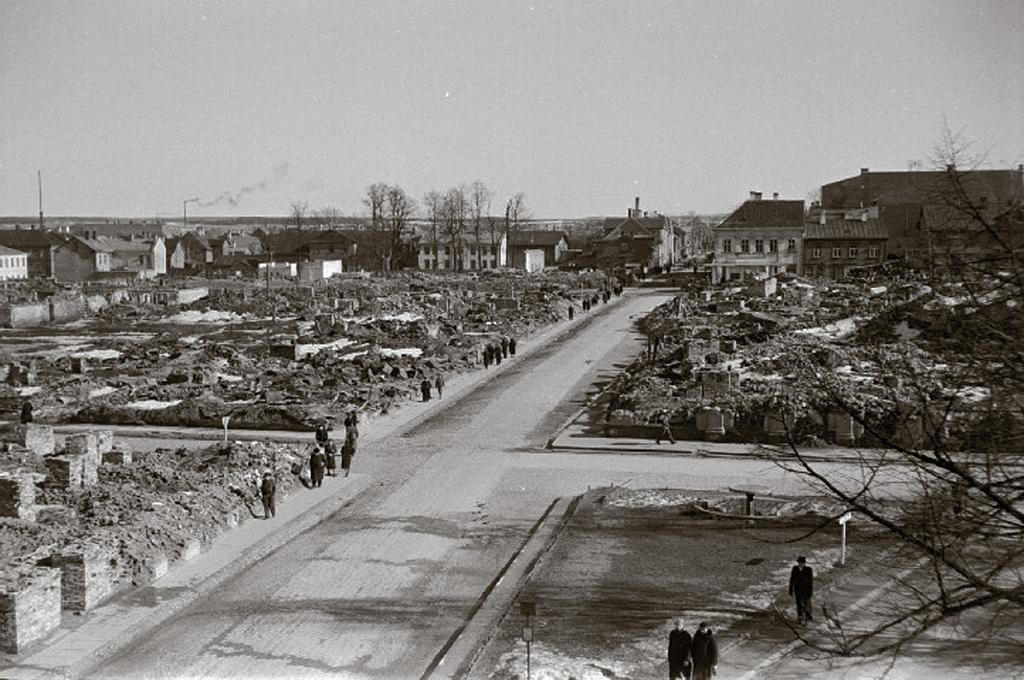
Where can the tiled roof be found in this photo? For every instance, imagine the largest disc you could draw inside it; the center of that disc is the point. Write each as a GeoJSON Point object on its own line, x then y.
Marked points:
{"type": "Point", "coordinates": [95, 244]}
{"type": "Point", "coordinates": [772, 213]}
{"type": "Point", "coordinates": [118, 245]}
{"type": "Point", "coordinates": [28, 238]}
{"type": "Point", "coordinates": [537, 237]}
{"type": "Point", "coordinates": [846, 229]}
{"type": "Point", "coordinates": [5, 251]}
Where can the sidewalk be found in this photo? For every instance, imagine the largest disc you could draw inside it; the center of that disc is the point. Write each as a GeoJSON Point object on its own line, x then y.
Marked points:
{"type": "Point", "coordinates": [83, 642]}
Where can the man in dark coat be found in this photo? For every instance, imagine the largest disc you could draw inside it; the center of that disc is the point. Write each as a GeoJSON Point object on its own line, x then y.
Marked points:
{"type": "Point", "coordinates": [425, 389]}
{"type": "Point", "coordinates": [572, 313]}
{"type": "Point", "coordinates": [348, 449]}
{"type": "Point", "coordinates": [322, 435]}
{"type": "Point", "coordinates": [504, 346]}
{"type": "Point", "coordinates": [331, 458]}
{"type": "Point", "coordinates": [487, 356]}
{"type": "Point", "coordinates": [704, 653]}
{"type": "Point", "coordinates": [317, 463]}
{"type": "Point", "coordinates": [512, 346]}
{"type": "Point", "coordinates": [679, 645]}
{"type": "Point", "coordinates": [26, 413]}
{"type": "Point", "coordinates": [268, 487]}
{"type": "Point", "coordinates": [801, 587]}
{"type": "Point", "coordinates": [439, 384]}
{"type": "Point", "coordinates": [496, 352]}
{"type": "Point", "coordinates": [352, 428]}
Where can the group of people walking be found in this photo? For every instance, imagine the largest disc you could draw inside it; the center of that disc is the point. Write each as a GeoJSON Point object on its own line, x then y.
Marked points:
{"type": "Point", "coordinates": [589, 303]}
{"type": "Point", "coordinates": [499, 349]}
{"type": "Point", "coordinates": [438, 384]}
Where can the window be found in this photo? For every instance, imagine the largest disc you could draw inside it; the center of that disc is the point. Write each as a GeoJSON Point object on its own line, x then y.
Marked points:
{"type": "Point", "coordinates": [791, 245]}
{"type": "Point", "coordinates": [758, 245]}
{"type": "Point", "coordinates": [815, 253]}
{"type": "Point", "coordinates": [744, 245]}
{"type": "Point", "coordinates": [873, 252]}
{"type": "Point", "coordinates": [726, 245]}
{"type": "Point", "coordinates": [773, 245]}
{"type": "Point", "coordinates": [854, 251]}
{"type": "Point", "coordinates": [837, 253]}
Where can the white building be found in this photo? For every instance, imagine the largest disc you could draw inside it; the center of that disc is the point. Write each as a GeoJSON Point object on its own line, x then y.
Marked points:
{"type": "Point", "coordinates": [759, 239]}
{"type": "Point", "coordinates": [473, 258]}
{"type": "Point", "coordinates": [13, 264]}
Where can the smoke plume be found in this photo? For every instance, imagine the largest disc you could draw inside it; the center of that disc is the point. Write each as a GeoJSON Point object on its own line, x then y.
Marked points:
{"type": "Point", "coordinates": [233, 198]}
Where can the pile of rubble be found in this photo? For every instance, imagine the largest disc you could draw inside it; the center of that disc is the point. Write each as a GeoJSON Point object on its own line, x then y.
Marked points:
{"type": "Point", "coordinates": [104, 518]}
{"type": "Point", "coordinates": [281, 357]}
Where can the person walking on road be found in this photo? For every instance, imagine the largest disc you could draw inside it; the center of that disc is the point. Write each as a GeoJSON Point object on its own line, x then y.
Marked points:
{"type": "Point", "coordinates": [487, 356]}
{"type": "Point", "coordinates": [801, 587]}
{"type": "Point", "coordinates": [352, 428]}
{"type": "Point", "coordinates": [665, 421]}
{"type": "Point", "coordinates": [512, 346]}
{"type": "Point", "coordinates": [496, 351]}
{"type": "Point", "coordinates": [331, 458]}
{"type": "Point", "coordinates": [317, 463]}
{"type": "Point", "coordinates": [504, 347]}
{"type": "Point", "coordinates": [439, 384]}
{"type": "Point", "coordinates": [268, 487]}
{"type": "Point", "coordinates": [572, 313]}
{"type": "Point", "coordinates": [679, 645]}
{"type": "Point", "coordinates": [704, 653]}
{"type": "Point", "coordinates": [425, 389]}
{"type": "Point", "coordinates": [26, 413]}
{"type": "Point", "coordinates": [322, 433]}
{"type": "Point", "coordinates": [348, 449]}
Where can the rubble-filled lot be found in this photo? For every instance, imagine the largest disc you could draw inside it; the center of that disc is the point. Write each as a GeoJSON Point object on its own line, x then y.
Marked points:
{"type": "Point", "coordinates": [812, 363]}
{"type": "Point", "coordinates": [278, 357]}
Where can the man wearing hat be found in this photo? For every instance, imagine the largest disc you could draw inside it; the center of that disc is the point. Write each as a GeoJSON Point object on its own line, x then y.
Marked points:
{"type": "Point", "coordinates": [801, 586]}
{"type": "Point", "coordinates": [704, 652]}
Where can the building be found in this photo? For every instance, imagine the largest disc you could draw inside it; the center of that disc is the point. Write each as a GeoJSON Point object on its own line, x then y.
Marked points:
{"type": "Point", "coordinates": [487, 256]}
{"type": "Point", "coordinates": [80, 259]}
{"type": "Point", "coordinates": [125, 229]}
{"type": "Point", "coordinates": [760, 238]}
{"type": "Point", "coordinates": [832, 249]}
{"type": "Point", "coordinates": [640, 242]}
{"type": "Point", "coordinates": [195, 251]}
{"type": "Point", "coordinates": [13, 264]}
{"type": "Point", "coordinates": [147, 259]}
{"type": "Point", "coordinates": [988, 239]}
{"type": "Point", "coordinates": [37, 245]}
{"type": "Point", "coordinates": [535, 249]}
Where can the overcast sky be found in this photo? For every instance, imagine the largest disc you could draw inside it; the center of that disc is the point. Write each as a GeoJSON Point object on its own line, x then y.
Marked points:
{"type": "Point", "coordinates": [128, 107]}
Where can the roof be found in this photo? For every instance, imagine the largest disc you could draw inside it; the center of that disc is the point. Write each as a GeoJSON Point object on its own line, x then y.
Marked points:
{"type": "Point", "coordinates": [922, 186]}
{"type": "Point", "coordinates": [759, 213]}
{"type": "Point", "coordinates": [119, 245]}
{"type": "Point", "coordinates": [192, 238]}
{"type": "Point", "coordinates": [846, 229]}
{"type": "Point", "coordinates": [635, 227]}
{"type": "Point", "coordinates": [95, 244]}
{"type": "Point", "coordinates": [28, 238]}
{"type": "Point", "coordinates": [538, 238]}
{"type": "Point", "coordinates": [948, 218]}
{"type": "Point", "coordinates": [5, 251]}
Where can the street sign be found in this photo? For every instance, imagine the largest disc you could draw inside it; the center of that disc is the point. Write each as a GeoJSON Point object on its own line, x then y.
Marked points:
{"type": "Point", "coordinates": [527, 633]}
{"type": "Point", "coordinates": [846, 518]}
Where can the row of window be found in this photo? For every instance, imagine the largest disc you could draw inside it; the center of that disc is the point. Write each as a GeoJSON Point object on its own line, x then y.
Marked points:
{"type": "Point", "coordinates": [442, 250]}
{"type": "Point", "coordinates": [13, 261]}
{"type": "Point", "coordinates": [444, 263]}
{"type": "Point", "coordinates": [773, 245]}
{"type": "Point", "coordinates": [837, 253]}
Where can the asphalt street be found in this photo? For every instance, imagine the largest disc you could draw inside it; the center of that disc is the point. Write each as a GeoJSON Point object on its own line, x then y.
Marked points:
{"type": "Point", "coordinates": [376, 589]}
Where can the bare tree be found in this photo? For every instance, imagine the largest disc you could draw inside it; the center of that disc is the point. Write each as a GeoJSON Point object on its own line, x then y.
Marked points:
{"type": "Point", "coordinates": [433, 202]}
{"type": "Point", "coordinates": [480, 200]}
{"type": "Point", "coordinates": [328, 215]}
{"type": "Point", "coordinates": [298, 213]}
{"type": "Point", "coordinates": [376, 196]}
{"type": "Point", "coordinates": [456, 208]}
{"type": "Point", "coordinates": [515, 210]}
{"type": "Point", "coordinates": [398, 209]}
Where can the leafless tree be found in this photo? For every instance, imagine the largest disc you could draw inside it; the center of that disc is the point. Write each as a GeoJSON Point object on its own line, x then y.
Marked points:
{"type": "Point", "coordinates": [328, 215]}
{"type": "Point", "coordinates": [480, 200]}
{"type": "Point", "coordinates": [456, 209]}
{"type": "Point", "coordinates": [515, 211]}
{"type": "Point", "coordinates": [433, 203]}
{"type": "Point", "coordinates": [299, 210]}
{"type": "Point", "coordinates": [398, 209]}
{"type": "Point", "coordinates": [948, 424]}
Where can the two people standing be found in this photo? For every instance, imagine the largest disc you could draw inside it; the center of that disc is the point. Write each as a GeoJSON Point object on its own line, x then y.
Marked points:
{"type": "Point", "coordinates": [692, 658]}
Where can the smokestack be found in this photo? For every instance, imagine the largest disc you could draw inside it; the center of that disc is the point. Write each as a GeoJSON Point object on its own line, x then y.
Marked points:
{"type": "Point", "coordinates": [636, 204]}
{"type": "Point", "coordinates": [775, 195]}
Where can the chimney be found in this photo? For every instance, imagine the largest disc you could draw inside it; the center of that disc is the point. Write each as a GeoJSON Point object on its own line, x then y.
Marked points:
{"type": "Point", "coordinates": [822, 218]}
{"type": "Point", "coordinates": [864, 171]}
{"type": "Point", "coordinates": [755, 195]}
{"type": "Point", "coordinates": [775, 195]}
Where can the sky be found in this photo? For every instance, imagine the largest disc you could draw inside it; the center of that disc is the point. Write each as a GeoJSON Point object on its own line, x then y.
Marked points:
{"type": "Point", "coordinates": [128, 107]}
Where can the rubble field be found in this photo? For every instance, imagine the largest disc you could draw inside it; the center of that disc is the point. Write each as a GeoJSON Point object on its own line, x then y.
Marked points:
{"type": "Point", "coordinates": [278, 357]}
{"type": "Point", "coordinates": [811, 363]}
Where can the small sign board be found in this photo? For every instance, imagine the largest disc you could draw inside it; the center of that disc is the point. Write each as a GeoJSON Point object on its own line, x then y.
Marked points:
{"type": "Point", "coordinates": [846, 518]}
{"type": "Point", "coordinates": [527, 633]}
{"type": "Point", "coordinates": [528, 608]}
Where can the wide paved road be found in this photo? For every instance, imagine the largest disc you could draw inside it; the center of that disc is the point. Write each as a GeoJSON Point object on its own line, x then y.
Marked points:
{"type": "Point", "coordinates": [375, 590]}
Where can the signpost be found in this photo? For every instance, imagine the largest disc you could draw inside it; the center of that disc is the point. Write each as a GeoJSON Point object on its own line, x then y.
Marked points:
{"type": "Point", "coordinates": [842, 522]}
{"type": "Point", "coordinates": [528, 609]}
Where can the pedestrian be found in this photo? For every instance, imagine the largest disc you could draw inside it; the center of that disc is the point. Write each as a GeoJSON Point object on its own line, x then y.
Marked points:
{"type": "Point", "coordinates": [657, 343]}
{"type": "Point", "coordinates": [679, 645]}
{"type": "Point", "coordinates": [487, 356]}
{"type": "Point", "coordinates": [331, 458]}
{"type": "Point", "coordinates": [322, 435]}
{"type": "Point", "coordinates": [512, 346]}
{"type": "Point", "coordinates": [26, 413]}
{"type": "Point", "coordinates": [504, 347]}
{"type": "Point", "coordinates": [593, 301]}
{"type": "Point", "coordinates": [572, 313]}
{"type": "Point", "coordinates": [348, 450]}
{"type": "Point", "coordinates": [586, 305]}
{"type": "Point", "coordinates": [496, 352]}
{"type": "Point", "coordinates": [317, 463]}
{"type": "Point", "coordinates": [665, 420]}
{"type": "Point", "coordinates": [801, 587]}
{"type": "Point", "coordinates": [425, 389]}
{"type": "Point", "coordinates": [439, 384]}
{"type": "Point", "coordinates": [268, 487]}
{"type": "Point", "coordinates": [352, 428]}
{"type": "Point", "coordinates": [704, 653]}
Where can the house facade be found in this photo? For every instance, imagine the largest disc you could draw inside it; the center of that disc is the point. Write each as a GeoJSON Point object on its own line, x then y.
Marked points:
{"type": "Point", "coordinates": [13, 264]}
{"type": "Point", "coordinates": [640, 242]}
{"type": "Point", "coordinates": [834, 249]}
{"type": "Point", "coordinates": [36, 244]}
{"type": "Point", "coordinates": [487, 256]}
{"type": "Point", "coordinates": [148, 259]}
{"type": "Point", "coordinates": [535, 249]}
{"type": "Point", "coordinates": [760, 238]}
{"type": "Point", "coordinates": [80, 259]}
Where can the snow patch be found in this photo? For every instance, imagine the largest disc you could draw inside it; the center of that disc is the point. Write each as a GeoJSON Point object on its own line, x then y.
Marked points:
{"type": "Point", "coordinates": [209, 316]}
{"type": "Point", "coordinates": [414, 352]}
{"type": "Point", "coordinates": [153, 404]}
{"type": "Point", "coordinates": [101, 354]}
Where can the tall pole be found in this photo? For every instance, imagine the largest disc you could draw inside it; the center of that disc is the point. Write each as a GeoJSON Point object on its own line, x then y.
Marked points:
{"type": "Point", "coordinates": [184, 210]}
{"type": "Point", "coordinates": [39, 177]}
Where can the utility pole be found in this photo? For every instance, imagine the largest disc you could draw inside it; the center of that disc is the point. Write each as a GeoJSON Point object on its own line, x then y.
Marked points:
{"type": "Point", "coordinates": [184, 210]}
{"type": "Point", "coordinates": [39, 177]}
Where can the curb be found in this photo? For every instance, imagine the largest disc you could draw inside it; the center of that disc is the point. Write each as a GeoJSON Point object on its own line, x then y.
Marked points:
{"type": "Point", "coordinates": [553, 445]}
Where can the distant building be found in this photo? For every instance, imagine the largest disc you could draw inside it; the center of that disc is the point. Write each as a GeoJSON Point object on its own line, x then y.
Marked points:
{"type": "Point", "coordinates": [124, 229]}
{"type": "Point", "coordinates": [13, 264]}
{"type": "Point", "coordinates": [487, 256]}
{"type": "Point", "coordinates": [638, 242]}
{"type": "Point", "coordinates": [147, 259]}
{"type": "Point", "coordinates": [195, 251]}
{"type": "Point", "coordinates": [950, 236]}
{"type": "Point", "coordinates": [81, 259]}
{"type": "Point", "coordinates": [833, 249]}
{"type": "Point", "coordinates": [760, 238]}
{"type": "Point", "coordinates": [37, 245]}
{"type": "Point", "coordinates": [537, 248]}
